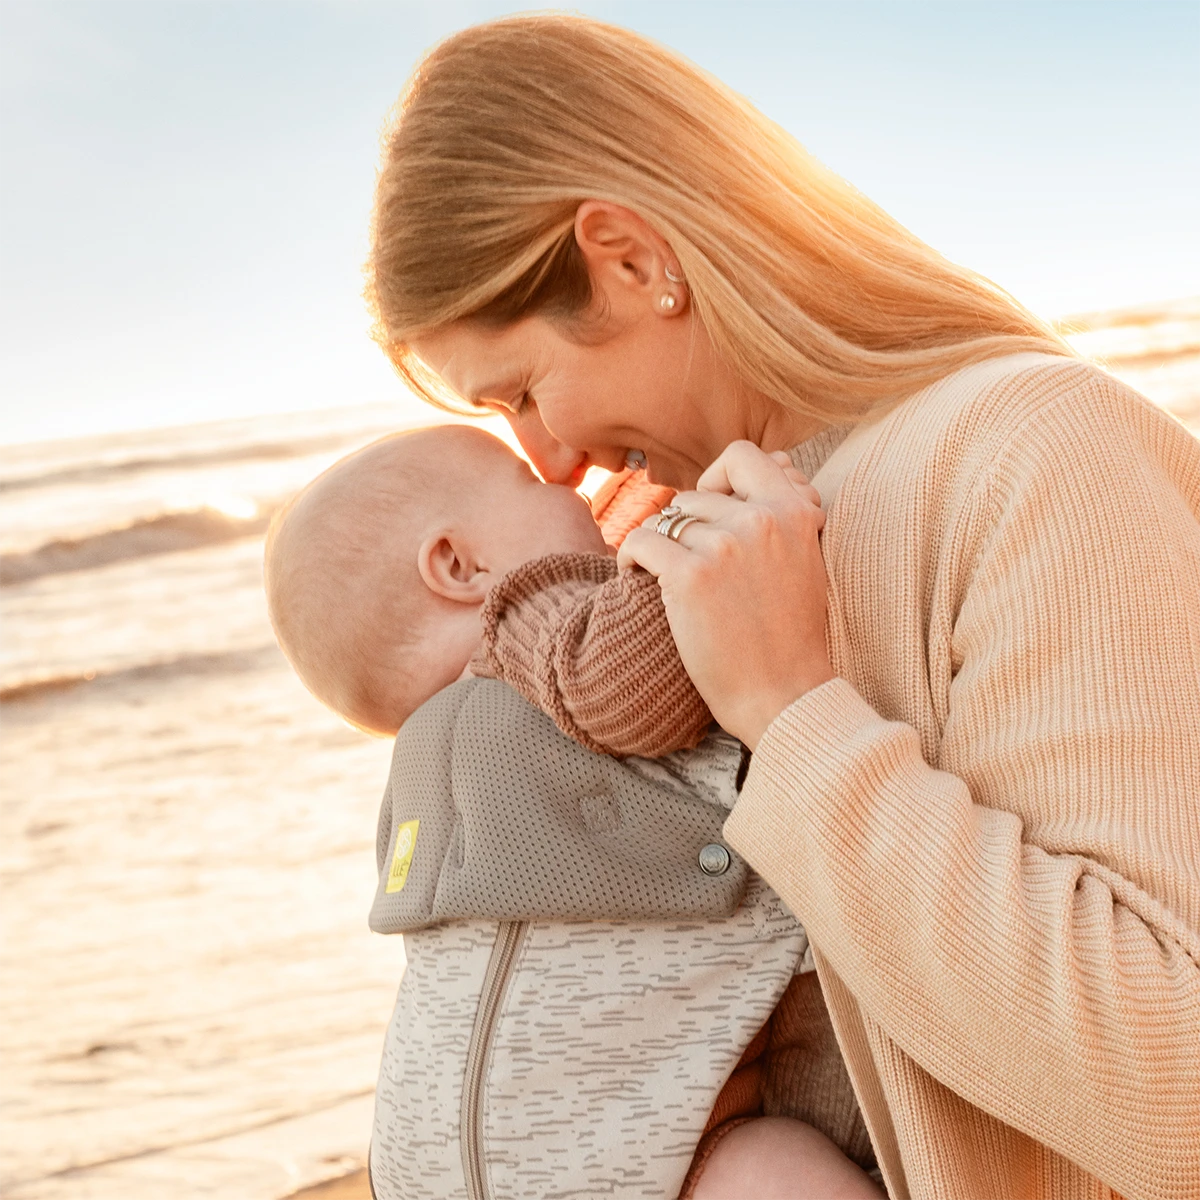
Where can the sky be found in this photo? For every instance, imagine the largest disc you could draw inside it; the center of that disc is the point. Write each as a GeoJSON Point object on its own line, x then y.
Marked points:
{"type": "Point", "coordinates": [185, 185]}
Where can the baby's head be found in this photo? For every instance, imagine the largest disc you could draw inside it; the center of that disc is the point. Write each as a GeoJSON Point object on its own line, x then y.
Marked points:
{"type": "Point", "coordinates": [375, 572]}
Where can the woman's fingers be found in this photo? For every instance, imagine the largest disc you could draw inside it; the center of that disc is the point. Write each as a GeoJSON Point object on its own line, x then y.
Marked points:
{"type": "Point", "coordinates": [708, 506]}
{"type": "Point", "coordinates": [797, 509]}
{"type": "Point", "coordinates": [743, 586]}
{"type": "Point", "coordinates": [716, 508]}
{"type": "Point", "coordinates": [713, 506]}
{"type": "Point", "coordinates": [743, 470]}
{"type": "Point", "coordinates": [649, 550]}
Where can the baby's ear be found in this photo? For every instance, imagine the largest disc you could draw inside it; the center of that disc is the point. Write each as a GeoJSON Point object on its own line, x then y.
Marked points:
{"type": "Point", "coordinates": [451, 569]}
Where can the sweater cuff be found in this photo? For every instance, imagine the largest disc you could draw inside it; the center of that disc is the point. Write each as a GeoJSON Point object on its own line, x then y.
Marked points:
{"type": "Point", "coordinates": [527, 605]}
{"type": "Point", "coordinates": [817, 753]}
{"type": "Point", "coordinates": [526, 581]}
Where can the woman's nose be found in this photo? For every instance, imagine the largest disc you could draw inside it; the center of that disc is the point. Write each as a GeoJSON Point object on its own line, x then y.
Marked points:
{"type": "Point", "coordinates": [555, 462]}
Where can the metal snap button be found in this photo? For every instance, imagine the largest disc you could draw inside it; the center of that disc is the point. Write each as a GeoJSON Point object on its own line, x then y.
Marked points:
{"type": "Point", "coordinates": [714, 859]}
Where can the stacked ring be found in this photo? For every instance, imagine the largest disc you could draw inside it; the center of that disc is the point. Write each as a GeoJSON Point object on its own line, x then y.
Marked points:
{"type": "Point", "coordinates": [672, 521]}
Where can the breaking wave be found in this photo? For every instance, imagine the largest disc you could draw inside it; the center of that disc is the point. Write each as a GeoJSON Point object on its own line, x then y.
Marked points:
{"type": "Point", "coordinates": [160, 534]}
{"type": "Point", "coordinates": [228, 662]}
{"type": "Point", "coordinates": [108, 469]}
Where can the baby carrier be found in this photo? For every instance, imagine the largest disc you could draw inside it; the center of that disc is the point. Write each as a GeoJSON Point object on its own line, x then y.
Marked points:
{"type": "Point", "coordinates": [586, 959]}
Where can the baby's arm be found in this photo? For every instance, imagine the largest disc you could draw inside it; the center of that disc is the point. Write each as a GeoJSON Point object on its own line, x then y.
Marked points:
{"type": "Point", "coordinates": [592, 648]}
{"type": "Point", "coordinates": [779, 1158]}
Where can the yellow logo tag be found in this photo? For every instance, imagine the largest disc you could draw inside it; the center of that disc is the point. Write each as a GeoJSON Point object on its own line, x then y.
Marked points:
{"type": "Point", "coordinates": [406, 841]}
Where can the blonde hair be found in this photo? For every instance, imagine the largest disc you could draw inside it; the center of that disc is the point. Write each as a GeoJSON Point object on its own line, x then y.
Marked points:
{"type": "Point", "coordinates": [812, 294]}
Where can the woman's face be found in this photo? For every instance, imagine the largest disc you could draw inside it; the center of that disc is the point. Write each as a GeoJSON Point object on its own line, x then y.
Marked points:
{"type": "Point", "coordinates": [649, 385]}
{"type": "Point", "coordinates": [631, 374]}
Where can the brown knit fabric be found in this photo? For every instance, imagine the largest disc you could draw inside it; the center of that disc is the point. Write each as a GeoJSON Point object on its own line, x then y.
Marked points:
{"type": "Point", "coordinates": [804, 1075]}
{"type": "Point", "coordinates": [793, 1068]}
{"type": "Point", "coordinates": [810, 456]}
{"type": "Point", "coordinates": [592, 648]}
{"type": "Point", "coordinates": [742, 1095]}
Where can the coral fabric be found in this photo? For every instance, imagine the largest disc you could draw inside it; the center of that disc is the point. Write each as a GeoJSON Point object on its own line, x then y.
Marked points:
{"type": "Point", "coordinates": [742, 1095]}
{"type": "Point", "coordinates": [624, 501]}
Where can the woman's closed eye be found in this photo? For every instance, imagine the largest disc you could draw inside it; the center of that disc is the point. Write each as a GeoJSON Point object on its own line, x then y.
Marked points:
{"type": "Point", "coordinates": [511, 408]}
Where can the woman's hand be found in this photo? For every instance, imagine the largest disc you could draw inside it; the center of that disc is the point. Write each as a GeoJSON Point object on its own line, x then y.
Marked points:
{"type": "Point", "coordinates": [744, 587]}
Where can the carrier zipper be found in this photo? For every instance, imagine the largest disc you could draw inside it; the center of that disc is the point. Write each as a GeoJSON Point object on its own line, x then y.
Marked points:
{"type": "Point", "coordinates": [495, 983]}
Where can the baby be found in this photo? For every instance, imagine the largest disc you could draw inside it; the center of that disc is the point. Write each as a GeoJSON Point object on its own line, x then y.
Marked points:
{"type": "Point", "coordinates": [437, 554]}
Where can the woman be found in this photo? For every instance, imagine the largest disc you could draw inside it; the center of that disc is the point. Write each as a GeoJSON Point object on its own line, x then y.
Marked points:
{"type": "Point", "coordinates": [976, 719]}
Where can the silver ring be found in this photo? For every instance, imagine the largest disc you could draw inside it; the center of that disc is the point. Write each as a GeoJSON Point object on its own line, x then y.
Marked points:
{"type": "Point", "coordinates": [672, 521]}
{"type": "Point", "coordinates": [666, 518]}
{"type": "Point", "coordinates": [681, 523]}
{"type": "Point", "coordinates": [671, 277]}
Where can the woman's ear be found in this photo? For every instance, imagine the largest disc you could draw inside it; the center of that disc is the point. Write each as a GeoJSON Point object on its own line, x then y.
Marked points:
{"type": "Point", "coordinates": [626, 258]}
{"type": "Point", "coordinates": [450, 568]}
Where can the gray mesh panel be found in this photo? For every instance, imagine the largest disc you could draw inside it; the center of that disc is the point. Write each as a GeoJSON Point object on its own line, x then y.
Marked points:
{"type": "Point", "coordinates": [518, 822]}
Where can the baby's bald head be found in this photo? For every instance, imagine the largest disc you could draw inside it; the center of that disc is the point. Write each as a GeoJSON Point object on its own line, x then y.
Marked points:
{"type": "Point", "coordinates": [375, 572]}
{"type": "Point", "coordinates": [343, 589]}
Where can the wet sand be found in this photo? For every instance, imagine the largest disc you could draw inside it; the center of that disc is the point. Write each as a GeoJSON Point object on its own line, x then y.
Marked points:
{"type": "Point", "coordinates": [347, 1187]}
{"type": "Point", "coordinates": [199, 1005]}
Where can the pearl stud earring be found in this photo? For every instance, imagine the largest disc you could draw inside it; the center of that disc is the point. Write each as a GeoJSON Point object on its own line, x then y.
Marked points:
{"type": "Point", "coordinates": [635, 460]}
{"type": "Point", "coordinates": [666, 301]}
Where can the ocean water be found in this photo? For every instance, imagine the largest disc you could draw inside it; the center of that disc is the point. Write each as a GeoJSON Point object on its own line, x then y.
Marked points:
{"type": "Point", "coordinates": [191, 1003]}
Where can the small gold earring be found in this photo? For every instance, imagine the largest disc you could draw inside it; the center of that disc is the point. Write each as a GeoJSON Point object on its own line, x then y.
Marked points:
{"type": "Point", "coordinates": [666, 301]}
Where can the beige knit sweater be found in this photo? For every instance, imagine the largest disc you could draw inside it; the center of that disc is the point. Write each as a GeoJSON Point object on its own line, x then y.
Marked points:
{"type": "Point", "coordinates": [990, 822]}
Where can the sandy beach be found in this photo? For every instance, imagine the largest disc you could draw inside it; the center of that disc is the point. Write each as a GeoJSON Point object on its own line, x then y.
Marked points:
{"type": "Point", "coordinates": [192, 1003]}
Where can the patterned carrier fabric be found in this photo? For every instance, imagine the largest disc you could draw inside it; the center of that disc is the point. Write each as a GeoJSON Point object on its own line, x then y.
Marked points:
{"type": "Point", "coordinates": [536, 1057]}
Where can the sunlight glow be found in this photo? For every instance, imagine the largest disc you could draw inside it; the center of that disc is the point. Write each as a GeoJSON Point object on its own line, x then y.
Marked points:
{"type": "Point", "coordinates": [240, 508]}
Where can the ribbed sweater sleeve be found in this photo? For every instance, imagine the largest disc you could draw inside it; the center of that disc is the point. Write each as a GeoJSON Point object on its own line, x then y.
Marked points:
{"type": "Point", "coordinates": [591, 647]}
{"type": "Point", "coordinates": [1010, 889]}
